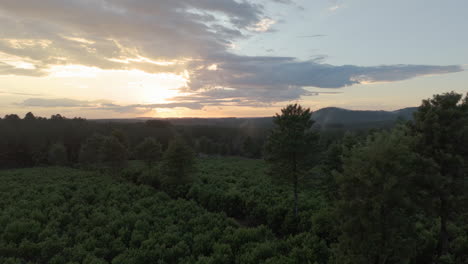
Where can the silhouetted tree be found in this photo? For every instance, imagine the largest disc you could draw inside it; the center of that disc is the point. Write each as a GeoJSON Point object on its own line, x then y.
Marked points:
{"type": "Point", "coordinates": [112, 152]}
{"type": "Point", "coordinates": [29, 116]}
{"type": "Point", "coordinates": [178, 162]}
{"type": "Point", "coordinates": [121, 136]}
{"type": "Point", "coordinates": [57, 117]}
{"type": "Point", "coordinates": [12, 117]}
{"type": "Point", "coordinates": [291, 145]}
{"type": "Point", "coordinates": [149, 150]}
{"type": "Point", "coordinates": [58, 154]}
{"type": "Point", "coordinates": [90, 149]}
{"type": "Point", "coordinates": [251, 148]}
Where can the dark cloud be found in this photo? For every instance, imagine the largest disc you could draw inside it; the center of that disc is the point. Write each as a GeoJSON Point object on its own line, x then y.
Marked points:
{"type": "Point", "coordinates": [276, 79]}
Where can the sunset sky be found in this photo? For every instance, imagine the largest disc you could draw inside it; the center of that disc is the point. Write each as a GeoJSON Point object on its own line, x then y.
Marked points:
{"type": "Point", "coordinates": [220, 58]}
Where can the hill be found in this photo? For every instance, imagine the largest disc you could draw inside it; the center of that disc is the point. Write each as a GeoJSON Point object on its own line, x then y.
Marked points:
{"type": "Point", "coordinates": [329, 117]}
{"type": "Point", "coordinates": [333, 118]}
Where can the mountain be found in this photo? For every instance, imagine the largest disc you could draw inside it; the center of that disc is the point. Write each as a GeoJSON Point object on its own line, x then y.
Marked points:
{"type": "Point", "coordinates": [325, 118]}
{"type": "Point", "coordinates": [334, 115]}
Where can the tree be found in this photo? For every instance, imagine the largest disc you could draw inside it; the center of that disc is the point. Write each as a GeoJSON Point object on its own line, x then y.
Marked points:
{"type": "Point", "coordinates": [441, 125]}
{"type": "Point", "coordinates": [290, 146]}
{"type": "Point", "coordinates": [250, 148]}
{"type": "Point", "coordinates": [120, 135]}
{"type": "Point", "coordinates": [112, 152]}
{"type": "Point", "coordinates": [178, 162]}
{"type": "Point", "coordinates": [376, 208]}
{"type": "Point", "coordinates": [29, 116]}
{"type": "Point", "coordinates": [11, 117]}
{"type": "Point", "coordinates": [204, 145]}
{"type": "Point", "coordinates": [149, 150]}
{"type": "Point", "coordinates": [57, 117]}
{"type": "Point", "coordinates": [332, 162]}
{"type": "Point", "coordinates": [57, 154]}
{"type": "Point", "coordinates": [90, 149]}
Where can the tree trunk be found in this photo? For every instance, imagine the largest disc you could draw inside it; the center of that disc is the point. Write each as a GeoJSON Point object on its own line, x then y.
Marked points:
{"type": "Point", "coordinates": [295, 194]}
{"type": "Point", "coordinates": [442, 246]}
{"type": "Point", "coordinates": [295, 185]}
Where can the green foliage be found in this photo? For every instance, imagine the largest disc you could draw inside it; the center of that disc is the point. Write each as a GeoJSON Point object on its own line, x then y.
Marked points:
{"type": "Point", "coordinates": [57, 154]}
{"type": "Point", "coordinates": [396, 196]}
{"type": "Point", "coordinates": [241, 188]}
{"type": "Point", "coordinates": [376, 203]}
{"type": "Point", "coordinates": [441, 126]}
{"type": "Point", "coordinates": [59, 215]}
{"type": "Point", "coordinates": [151, 176]}
{"type": "Point", "coordinates": [149, 150]}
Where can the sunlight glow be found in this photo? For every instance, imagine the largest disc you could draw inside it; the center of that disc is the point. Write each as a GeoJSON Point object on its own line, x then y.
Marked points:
{"type": "Point", "coordinates": [143, 59]}
{"type": "Point", "coordinates": [67, 71]}
{"type": "Point", "coordinates": [16, 62]}
{"type": "Point", "coordinates": [263, 25]}
{"type": "Point", "coordinates": [134, 85]}
{"type": "Point", "coordinates": [26, 43]}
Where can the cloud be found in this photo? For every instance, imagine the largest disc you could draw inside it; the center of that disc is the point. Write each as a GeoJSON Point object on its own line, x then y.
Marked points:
{"type": "Point", "coordinates": [335, 5]}
{"type": "Point", "coordinates": [8, 69]}
{"type": "Point", "coordinates": [148, 107]}
{"type": "Point", "coordinates": [312, 36]}
{"type": "Point", "coordinates": [184, 36]}
{"type": "Point", "coordinates": [103, 105]}
{"type": "Point", "coordinates": [105, 33]}
{"type": "Point", "coordinates": [263, 25]}
{"type": "Point", "coordinates": [287, 2]}
{"type": "Point", "coordinates": [21, 93]}
{"type": "Point", "coordinates": [59, 102]}
{"type": "Point", "coordinates": [334, 8]}
{"type": "Point", "coordinates": [277, 79]}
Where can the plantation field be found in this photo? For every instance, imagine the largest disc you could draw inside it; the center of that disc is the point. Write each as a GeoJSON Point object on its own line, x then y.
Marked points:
{"type": "Point", "coordinates": [232, 213]}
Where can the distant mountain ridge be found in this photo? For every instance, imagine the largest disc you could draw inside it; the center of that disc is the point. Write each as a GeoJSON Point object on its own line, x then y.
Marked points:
{"type": "Point", "coordinates": [335, 115]}
{"type": "Point", "coordinates": [325, 118]}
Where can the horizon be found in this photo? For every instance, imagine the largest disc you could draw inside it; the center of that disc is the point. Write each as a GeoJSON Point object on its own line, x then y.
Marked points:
{"type": "Point", "coordinates": [226, 59]}
{"type": "Point", "coordinates": [209, 117]}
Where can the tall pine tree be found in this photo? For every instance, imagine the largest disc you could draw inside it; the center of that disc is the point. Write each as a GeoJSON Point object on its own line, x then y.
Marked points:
{"type": "Point", "coordinates": [291, 145]}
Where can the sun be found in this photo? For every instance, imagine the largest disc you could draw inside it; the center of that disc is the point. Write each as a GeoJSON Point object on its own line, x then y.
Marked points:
{"type": "Point", "coordinates": [156, 88]}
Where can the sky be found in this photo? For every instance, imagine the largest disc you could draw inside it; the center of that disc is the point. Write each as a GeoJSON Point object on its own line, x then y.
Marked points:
{"type": "Point", "coordinates": [227, 58]}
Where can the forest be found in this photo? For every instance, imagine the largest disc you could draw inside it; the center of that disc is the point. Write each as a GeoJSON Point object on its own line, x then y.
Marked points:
{"type": "Point", "coordinates": [281, 190]}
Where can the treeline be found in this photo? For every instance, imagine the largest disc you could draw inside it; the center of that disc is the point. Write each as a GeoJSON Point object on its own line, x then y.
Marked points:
{"type": "Point", "coordinates": [35, 141]}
